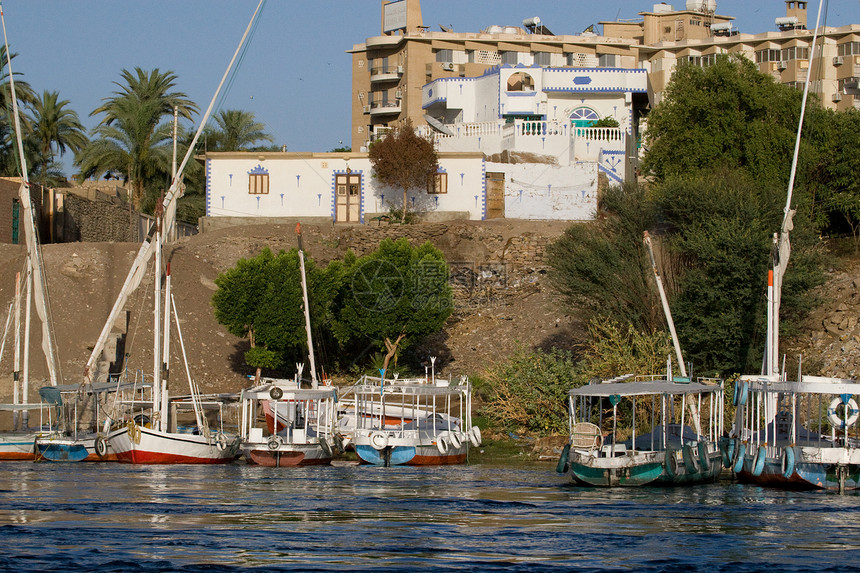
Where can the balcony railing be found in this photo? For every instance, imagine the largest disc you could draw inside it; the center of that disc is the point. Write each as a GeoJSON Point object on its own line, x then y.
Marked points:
{"type": "Point", "coordinates": [385, 73]}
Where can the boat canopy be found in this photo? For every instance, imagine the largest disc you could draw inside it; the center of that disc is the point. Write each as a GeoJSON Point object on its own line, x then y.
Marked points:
{"type": "Point", "coordinates": [644, 388]}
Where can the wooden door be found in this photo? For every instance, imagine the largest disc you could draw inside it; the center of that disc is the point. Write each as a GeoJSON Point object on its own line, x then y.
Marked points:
{"type": "Point", "coordinates": [348, 198]}
{"type": "Point", "coordinates": [495, 195]}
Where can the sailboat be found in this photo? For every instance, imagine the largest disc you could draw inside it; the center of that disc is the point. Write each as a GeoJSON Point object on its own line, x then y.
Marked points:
{"type": "Point", "coordinates": [635, 430]}
{"type": "Point", "coordinates": [151, 433]}
{"type": "Point", "coordinates": [283, 423]}
{"type": "Point", "coordinates": [800, 434]}
{"type": "Point", "coordinates": [19, 444]}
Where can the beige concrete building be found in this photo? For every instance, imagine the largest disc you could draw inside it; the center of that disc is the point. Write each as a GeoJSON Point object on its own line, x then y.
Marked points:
{"type": "Point", "coordinates": [389, 71]}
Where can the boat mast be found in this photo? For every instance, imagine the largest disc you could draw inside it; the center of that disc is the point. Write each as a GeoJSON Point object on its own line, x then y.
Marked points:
{"type": "Point", "coordinates": [666, 311]}
{"type": "Point", "coordinates": [307, 309]}
{"type": "Point", "coordinates": [782, 247]}
{"type": "Point", "coordinates": [33, 252]}
{"type": "Point", "coordinates": [145, 252]}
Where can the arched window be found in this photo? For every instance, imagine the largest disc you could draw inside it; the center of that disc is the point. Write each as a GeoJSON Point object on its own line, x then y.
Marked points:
{"type": "Point", "coordinates": [583, 117]}
{"type": "Point", "coordinates": [520, 82]}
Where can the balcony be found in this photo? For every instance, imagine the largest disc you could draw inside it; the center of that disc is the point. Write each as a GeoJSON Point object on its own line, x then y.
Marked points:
{"type": "Point", "coordinates": [385, 108]}
{"type": "Point", "coordinates": [385, 74]}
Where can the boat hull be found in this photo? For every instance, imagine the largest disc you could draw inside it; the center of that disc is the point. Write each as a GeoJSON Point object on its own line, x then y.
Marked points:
{"type": "Point", "coordinates": [286, 456]}
{"type": "Point", "coordinates": [807, 475]}
{"type": "Point", "coordinates": [411, 455]}
{"type": "Point", "coordinates": [64, 449]}
{"type": "Point", "coordinates": [17, 446]}
{"type": "Point", "coordinates": [637, 470]}
{"type": "Point", "coordinates": [149, 446]}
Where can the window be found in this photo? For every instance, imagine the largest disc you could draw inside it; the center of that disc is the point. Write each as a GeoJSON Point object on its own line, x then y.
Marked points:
{"type": "Point", "coordinates": [849, 48]}
{"type": "Point", "coordinates": [606, 61]}
{"type": "Point", "coordinates": [763, 56]}
{"type": "Point", "coordinates": [520, 82]}
{"type": "Point", "coordinates": [258, 181]}
{"type": "Point", "coordinates": [583, 117]}
{"type": "Point", "coordinates": [797, 53]}
{"type": "Point", "coordinates": [542, 59]}
{"type": "Point", "coordinates": [438, 185]}
{"type": "Point", "coordinates": [510, 58]}
{"type": "Point", "coordinates": [445, 56]}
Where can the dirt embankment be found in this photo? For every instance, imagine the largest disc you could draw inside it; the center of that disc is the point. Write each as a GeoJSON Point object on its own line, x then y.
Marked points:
{"type": "Point", "coordinates": [502, 299]}
{"type": "Point", "coordinates": [499, 277]}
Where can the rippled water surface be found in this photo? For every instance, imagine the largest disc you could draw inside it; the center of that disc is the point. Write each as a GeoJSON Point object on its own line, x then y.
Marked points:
{"type": "Point", "coordinates": [116, 517]}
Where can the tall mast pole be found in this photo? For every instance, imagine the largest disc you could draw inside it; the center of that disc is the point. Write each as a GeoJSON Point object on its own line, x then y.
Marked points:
{"type": "Point", "coordinates": [307, 309]}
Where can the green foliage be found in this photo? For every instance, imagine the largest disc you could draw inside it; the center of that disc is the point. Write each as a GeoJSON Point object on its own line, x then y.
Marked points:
{"type": "Point", "coordinates": [605, 122]}
{"type": "Point", "coordinates": [528, 392]}
{"type": "Point", "coordinates": [722, 228]}
{"type": "Point", "coordinates": [404, 160]}
{"type": "Point", "coordinates": [236, 130]}
{"type": "Point", "coordinates": [261, 357]}
{"type": "Point", "coordinates": [396, 291]}
{"type": "Point", "coordinates": [601, 267]}
{"type": "Point", "coordinates": [261, 299]}
{"type": "Point", "coordinates": [131, 140]}
{"type": "Point", "coordinates": [727, 115]}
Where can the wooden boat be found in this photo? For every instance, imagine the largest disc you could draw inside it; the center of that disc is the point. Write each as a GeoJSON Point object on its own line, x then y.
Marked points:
{"type": "Point", "coordinates": [636, 431]}
{"type": "Point", "coordinates": [799, 434]}
{"type": "Point", "coordinates": [282, 424]}
{"type": "Point", "coordinates": [419, 421]}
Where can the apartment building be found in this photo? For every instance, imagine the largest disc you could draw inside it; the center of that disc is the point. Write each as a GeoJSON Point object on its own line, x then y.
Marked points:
{"type": "Point", "coordinates": [391, 70]}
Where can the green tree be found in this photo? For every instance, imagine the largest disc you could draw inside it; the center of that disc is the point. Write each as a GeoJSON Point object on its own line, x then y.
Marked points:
{"type": "Point", "coordinates": [56, 128]}
{"type": "Point", "coordinates": [393, 297]}
{"type": "Point", "coordinates": [727, 115]}
{"type": "Point", "coordinates": [722, 226]}
{"type": "Point", "coordinates": [131, 140]}
{"type": "Point", "coordinates": [10, 164]}
{"type": "Point", "coordinates": [237, 130]}
{"type": "Point", "coordinates": [601, 267]}
{"type": "Point", "coordinates": [261, 299]}
{"type": "Point", "coordinates": [404, 160]}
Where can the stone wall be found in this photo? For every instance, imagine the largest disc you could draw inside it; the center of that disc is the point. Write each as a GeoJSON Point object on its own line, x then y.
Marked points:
{"type": "Point", "coordinates": [87, 220]}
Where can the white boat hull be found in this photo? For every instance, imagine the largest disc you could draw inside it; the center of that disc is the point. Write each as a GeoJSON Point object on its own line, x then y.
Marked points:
{"type": "Point", "coordinates": [140, 445]}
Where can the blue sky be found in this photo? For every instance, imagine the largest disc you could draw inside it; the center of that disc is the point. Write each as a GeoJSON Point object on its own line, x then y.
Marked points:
{"type": "Point", "coordinates": [295, 75]}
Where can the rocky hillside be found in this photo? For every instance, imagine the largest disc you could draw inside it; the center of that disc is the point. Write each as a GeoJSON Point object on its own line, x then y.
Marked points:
{"type": "Point", "coordinates": [502, 299]}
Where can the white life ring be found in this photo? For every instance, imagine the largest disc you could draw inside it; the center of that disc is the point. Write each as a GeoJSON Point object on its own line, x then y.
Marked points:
{"type": "Point", "coordinates": [274, 442]}
{"type": "Point", "coordinates": [101, 446]}
{"type": "Point", "coordinates": [379, 440]}
{"type": "Point", "coordinates": [456, 442]}
{"type": "Point", "coordinates": [475, 436]}
{"type": "Point", "coordinates": [836, 420]}
{"type": "Point", "coordinates": [442, 443]}
{"type": "Point", "coordinates": [221, 442]}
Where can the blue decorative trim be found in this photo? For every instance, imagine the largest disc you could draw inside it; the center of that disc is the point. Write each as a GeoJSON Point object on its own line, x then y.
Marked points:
{"type": "Point", "coordinates": [597, 90]}
{"type": "Point", "coordinates": [435, 101]}
{"type": "Point", "coordinates": [608, 152]}
{"type": "Point", "coordinates": [610, 173]}
{"type": "Point", "coordinates": [484, 190]}
{"type": "Point", "coordinates": [521, 94]}
{"type": "Point", "coordinates": [258, 170]}
{"type": "Point", "coordinates": [208, 187]}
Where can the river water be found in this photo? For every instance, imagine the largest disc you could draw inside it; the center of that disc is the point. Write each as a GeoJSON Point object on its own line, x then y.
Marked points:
{"type": "Point", "coordinates": [117, 517]}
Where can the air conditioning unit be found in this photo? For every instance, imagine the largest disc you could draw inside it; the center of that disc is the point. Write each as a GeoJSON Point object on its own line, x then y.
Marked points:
{"type": "Point", "coordinates": [782, 65]}
{"type": "Point", "coordinates": [399, 69]}
{"type": "Point", "coordinates": [837, 97]}
{"type": "Point", "coordinates": [448, 67]}
{"type": "Point", "coordinates": [837, 61]}
{"type": "Point", "coordinates": [366, 109]}
{"type": "Point", "coordinates": [398, 94]}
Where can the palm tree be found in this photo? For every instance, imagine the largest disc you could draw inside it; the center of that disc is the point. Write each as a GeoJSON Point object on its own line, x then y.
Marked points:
{"type": "Point", "coordinates": [148, 86]}
{"type": "Point", "coordinates": [131, 139]}
{"type": "Point", "coordinates": [55, 129]}
{"type": "Point", "coordinates": [9, 163]}
{"type": "Point", "coordinates": [129, 147]}
{"type": "Point", "coordinates": [238, 130]}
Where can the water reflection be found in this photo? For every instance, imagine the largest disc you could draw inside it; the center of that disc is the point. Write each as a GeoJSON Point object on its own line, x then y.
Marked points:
{"type": "Point", "coordinates": [479, 516]}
